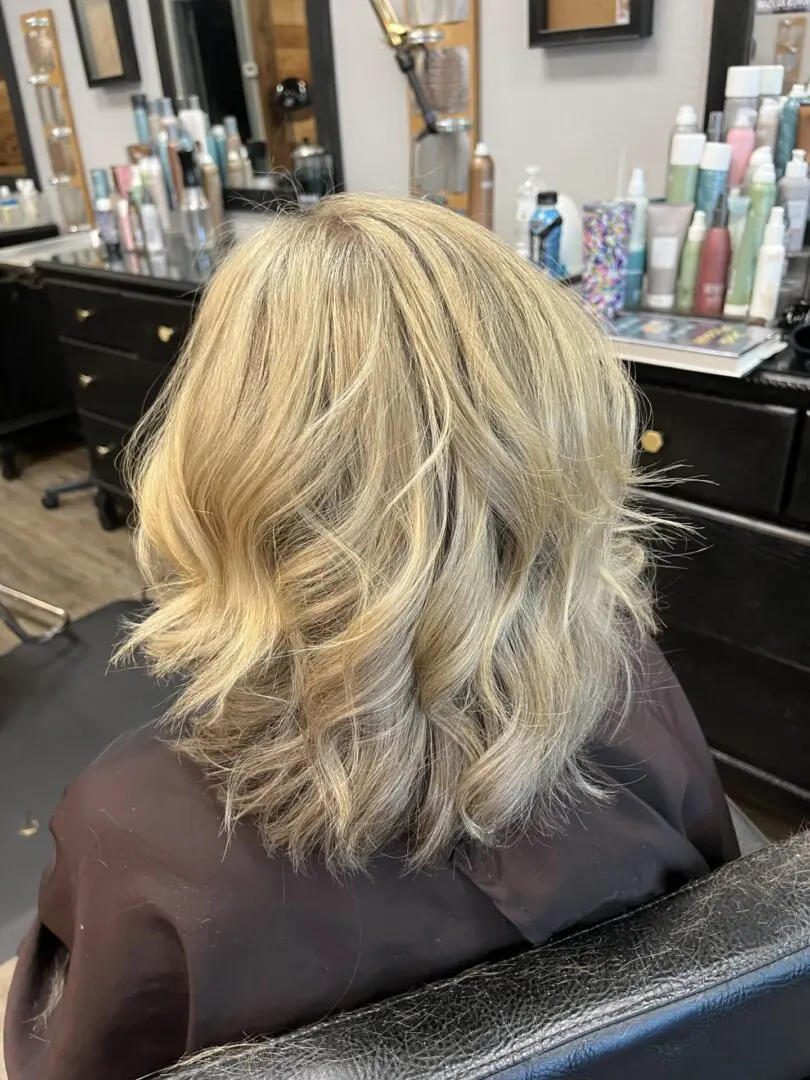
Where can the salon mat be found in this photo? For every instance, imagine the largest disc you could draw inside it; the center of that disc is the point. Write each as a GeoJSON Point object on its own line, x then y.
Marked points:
{"type": "Point", "coordinates": [60, 704]}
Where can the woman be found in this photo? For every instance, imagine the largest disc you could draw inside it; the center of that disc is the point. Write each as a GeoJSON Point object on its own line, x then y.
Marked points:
{"type": "Point", "coordinates": [384, 510]}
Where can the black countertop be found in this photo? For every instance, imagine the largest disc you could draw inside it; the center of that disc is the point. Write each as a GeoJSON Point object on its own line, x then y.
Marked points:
{"type": "Point", "coordinates": [175, 271]}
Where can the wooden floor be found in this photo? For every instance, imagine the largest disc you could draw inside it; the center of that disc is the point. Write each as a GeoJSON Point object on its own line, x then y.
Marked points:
{"type": "Point", "coordinates": [62, 556]}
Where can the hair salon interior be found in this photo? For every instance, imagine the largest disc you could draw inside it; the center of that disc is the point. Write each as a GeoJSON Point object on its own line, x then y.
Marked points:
{"type": "Point", "coordinates": [652, 154]}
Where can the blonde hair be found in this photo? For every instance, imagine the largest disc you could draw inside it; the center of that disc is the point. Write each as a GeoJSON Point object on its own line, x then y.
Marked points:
{"type": "Point", "coordinates": [383, 505]}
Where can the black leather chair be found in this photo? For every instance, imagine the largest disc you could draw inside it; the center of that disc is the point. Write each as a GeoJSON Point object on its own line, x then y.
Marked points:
{"type": "Point", "coordinates": [711, 983]}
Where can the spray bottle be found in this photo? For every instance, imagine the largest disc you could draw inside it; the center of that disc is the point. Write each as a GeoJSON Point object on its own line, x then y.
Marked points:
{"type": "Point", "coordinates": [794, 196]}
{"type": "Point", "coordinates": [770, 267]}
{"type": "Point", "coordinates": [788, 128]}
{"type": "Point", "coordinates": [743, 265]}
{"type": "Point", "coordinates": [637, 195]}
{"type": "Point", "coordinates": [690, 263]}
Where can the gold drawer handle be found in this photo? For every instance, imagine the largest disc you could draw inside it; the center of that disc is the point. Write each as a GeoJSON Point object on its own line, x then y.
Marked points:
{"type": "Point", "coordinates": [103, 451]}
{"type": "Point", "coordinates": [83, 314]}
{"type": "Point", "coordinates": [652, 442]}
{"type": "Point", "coordinates": [165, 333]}
{"type": "Point", "coordinates": [85, 380]}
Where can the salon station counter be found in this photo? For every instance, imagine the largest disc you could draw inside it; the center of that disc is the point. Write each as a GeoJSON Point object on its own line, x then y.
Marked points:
{"type": "Point", "coordinates": [736, 613]}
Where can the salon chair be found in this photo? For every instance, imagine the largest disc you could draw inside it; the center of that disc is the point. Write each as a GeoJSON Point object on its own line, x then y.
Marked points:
{"type": "Point", "coordinates": [710, 983]}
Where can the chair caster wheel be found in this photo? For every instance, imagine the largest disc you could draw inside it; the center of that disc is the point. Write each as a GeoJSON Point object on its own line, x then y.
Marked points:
{"type": "Point", "coordinates": [50, 501]}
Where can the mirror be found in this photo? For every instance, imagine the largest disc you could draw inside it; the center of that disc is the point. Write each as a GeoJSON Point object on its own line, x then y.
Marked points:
{"type": "Point", "coordinates": [269, 63]}
{"type": "Point", "coordinates": [578, 22]}
{"type": "Point", "coordinates": [782, 36]}
{"type": "Point", "coordinates": [16, 155]}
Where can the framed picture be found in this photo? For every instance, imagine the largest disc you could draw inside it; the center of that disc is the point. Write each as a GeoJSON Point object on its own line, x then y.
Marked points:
{"type": "Point", "coordinates": [581, 22]}
{"type": "Point", "coordinates": [106, 42]}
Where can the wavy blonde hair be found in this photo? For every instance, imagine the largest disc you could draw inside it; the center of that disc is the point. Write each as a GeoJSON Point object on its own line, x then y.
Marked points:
{"type": "Point", "coordinates": [383, 506]}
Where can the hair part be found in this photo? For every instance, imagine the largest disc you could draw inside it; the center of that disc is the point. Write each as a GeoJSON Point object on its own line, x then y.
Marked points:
{"type": "Point", "coordinates": [383, 507]}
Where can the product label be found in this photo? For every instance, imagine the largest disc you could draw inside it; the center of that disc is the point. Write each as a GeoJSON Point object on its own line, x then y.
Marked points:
{"type": "Point", "coordinates": [664, 253]}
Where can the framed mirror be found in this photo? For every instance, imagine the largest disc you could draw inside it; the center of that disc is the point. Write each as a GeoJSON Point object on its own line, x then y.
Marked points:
{"type": "Point", "coordinates": [554, 23]}
{"type": "Point", "coordinates": [16, 154]}
{"type": "Point", "coordinates": [269, 63]}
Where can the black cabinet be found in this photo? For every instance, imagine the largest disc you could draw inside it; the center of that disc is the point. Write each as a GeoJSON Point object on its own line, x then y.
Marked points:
{"type": "Point", "coordinates": [36, 405]}
{"type": "Point", "coordinates": [119, 340]}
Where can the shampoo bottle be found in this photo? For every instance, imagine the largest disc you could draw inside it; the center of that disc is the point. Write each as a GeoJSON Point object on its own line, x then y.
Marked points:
{"type": "Point", "coordinates": [715, 258]}
{"type": "Point", "coordinates": [788, 128]}
{"type": "Point", "coordinates": [743, 265]}
{"type": "Point", "coordinates": [637, 253]}
{"type": "Point", "coordinates": [713, 177]}
{"type": "Point", "coordinates": [690, 263]}
{"type": "Point", "coordinates": [482, 187]}
{"type": "Point", "coordinates": [794, 196]}
{"type": "Point", "coordinates": [767, 131]}
{"type": "Point", "coordinates": [770, 267]}
{"type": "Point", "coordinates": [684, 166]}
{"type": "Point", "coordinates": [738, 207]}
{"type": "Point", "coordinates": [742, 140]}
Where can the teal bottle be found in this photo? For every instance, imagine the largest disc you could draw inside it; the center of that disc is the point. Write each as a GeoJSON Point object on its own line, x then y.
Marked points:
{"type": "Point", "coordinates": [788, 127]}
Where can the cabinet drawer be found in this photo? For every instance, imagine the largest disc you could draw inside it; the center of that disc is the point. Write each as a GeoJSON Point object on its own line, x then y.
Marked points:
{"type": "Point", "coordinates": [105, 441]}
{"type": "Point", "coordinates": [742, 449]}
{"type": "Point", "coordinates": [799, 506]}
{"type": "Point", "coordinates": [89, 313]}
{"type": "Point", "coordinates": [114, 384]}
{"type": "Point", "coordinates": [149, 326]}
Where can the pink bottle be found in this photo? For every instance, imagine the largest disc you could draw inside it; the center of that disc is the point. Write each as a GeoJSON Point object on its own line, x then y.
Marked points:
{"type": "Point", "coordinates": [742, 137]}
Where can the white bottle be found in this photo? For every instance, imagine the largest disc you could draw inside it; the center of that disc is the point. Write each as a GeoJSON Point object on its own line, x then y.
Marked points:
{"type": "Point", "coordinates": [526, 204]}
{"type": "Point", "coordinates": [637, 195]}
{"type": "Point", "coordinates": [763, 155]}
{"type": "Point", "coordinates": [195, 121]}
{"type": "Point", "coordinates": [770, 267]}
{"type": "Point", "coordinates": [28, 197]}
{"type": "Point", "coordinates": [154, 179]}
{"type": "Point", "coordinates": [770, 112]}
{"type": "Point", "coordinates": [794, 196]}
{"type": "Point", "coordinates": [742, 91]}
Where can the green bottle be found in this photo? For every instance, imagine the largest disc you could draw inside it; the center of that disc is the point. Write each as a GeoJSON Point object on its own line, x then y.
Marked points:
{"type": "Point", "coordinates": [744, 261]}
{"type": "Point", "coordinates": [690, 264]}
{"type": "Point", "coordinates": [684, 167]}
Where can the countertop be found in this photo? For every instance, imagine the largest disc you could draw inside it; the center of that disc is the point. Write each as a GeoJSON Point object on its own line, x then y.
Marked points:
{"type": "Point", "coordinates": [176, 269]}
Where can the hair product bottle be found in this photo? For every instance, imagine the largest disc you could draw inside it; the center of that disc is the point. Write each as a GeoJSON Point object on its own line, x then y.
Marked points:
{"type": "Point", "coordinates": [152, 173]}
{"type": "Point", "coordinates": [686, 123]}
{"type": "Point", "coordinates": [803, 130]}
{"type": "Point", "coordinates": [667, 225]}
{"type": "Point", "coordinates": [794, 196]}
{"type": "Point", "coordinates": [212, 186]}
{"type": "Point", "coordinates": [149, 215]}
{"type": "Point", "coordinates": [743, 264]}
{"type": "Point", "coordinates": [761, 156]}
{"type": "Point", "coordinates": [239, 172]}
{"type": "Point", "coordinates": [684, 166]}
{"type": "Point", "coordinates": [637, 195]}
{"type": "Point", "coordinates": [767, 132]}
{"type": "Point", "coordinates": [788, 127]}
{"type": "Point", "coordinates": [741, 138]}
{"type": "Point", "coordinates": [195, 121]}
{"type": "Point", "coordinates": [545, 231]}
{"type": "Point", "coordinates": [738, 207]}
{"type": "Point", "coordinates": [713, 177]}
{"type": "Point", "coordinates": [770, 267]}
{"type": "Point", "coordinates": [194, 212]}
{"type": "Point", "coordinates": [771, 81]}
{"type": "Point", "coordinates": [140, 113]}
{"type": "Point", "coordinates": [742, 91]}
{"type": "Point", "coordinates": [525, 205]}
{"type": "Point", "coordinates": [714, 128]}
{"type": "Point", "coordinates": [220, 140]}
{"type": "Point", "coordinates": [482, 187]}
{"type": "Point", "coordinates": [690, 263]}
{"type": "Point", "coordinates": [715, 258]}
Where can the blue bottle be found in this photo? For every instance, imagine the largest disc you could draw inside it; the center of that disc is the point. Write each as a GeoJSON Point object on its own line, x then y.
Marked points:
{"type": "Point", "coordinates": [788, 128]}
{"type": "Point", "coordinates": [545, 235]}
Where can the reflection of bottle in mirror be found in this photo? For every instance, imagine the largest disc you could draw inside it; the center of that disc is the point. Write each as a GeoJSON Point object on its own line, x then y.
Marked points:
{"type": "Point", "coordinates": [194, 211]}
{"type": "Point", "coordinates": [212, 186]}
{"type": "Point", "coordinates": [239, 173]}
{"type": "Point", "coordinates": [482, 187]}
{"type": "Point", "coordinates": [149, 215]}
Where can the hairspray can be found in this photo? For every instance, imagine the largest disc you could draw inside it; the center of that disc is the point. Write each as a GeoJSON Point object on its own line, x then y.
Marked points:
{"type": "Point", "coordinates": [606, 248]}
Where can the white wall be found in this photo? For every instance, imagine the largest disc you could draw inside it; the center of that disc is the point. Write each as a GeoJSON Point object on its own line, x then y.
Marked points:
{"type": "Point", "coordinates": [103, 118]}
{"type": "Point", "coordinates": [573, 111]}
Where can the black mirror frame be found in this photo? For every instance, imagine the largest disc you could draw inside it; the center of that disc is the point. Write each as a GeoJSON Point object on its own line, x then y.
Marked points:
{"type": "Point", "coordinates": [17, 110]}
{"type": "Point", "coordinates": [640, 26]}
{"type": "Point", "coordinates": [732, 34]}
